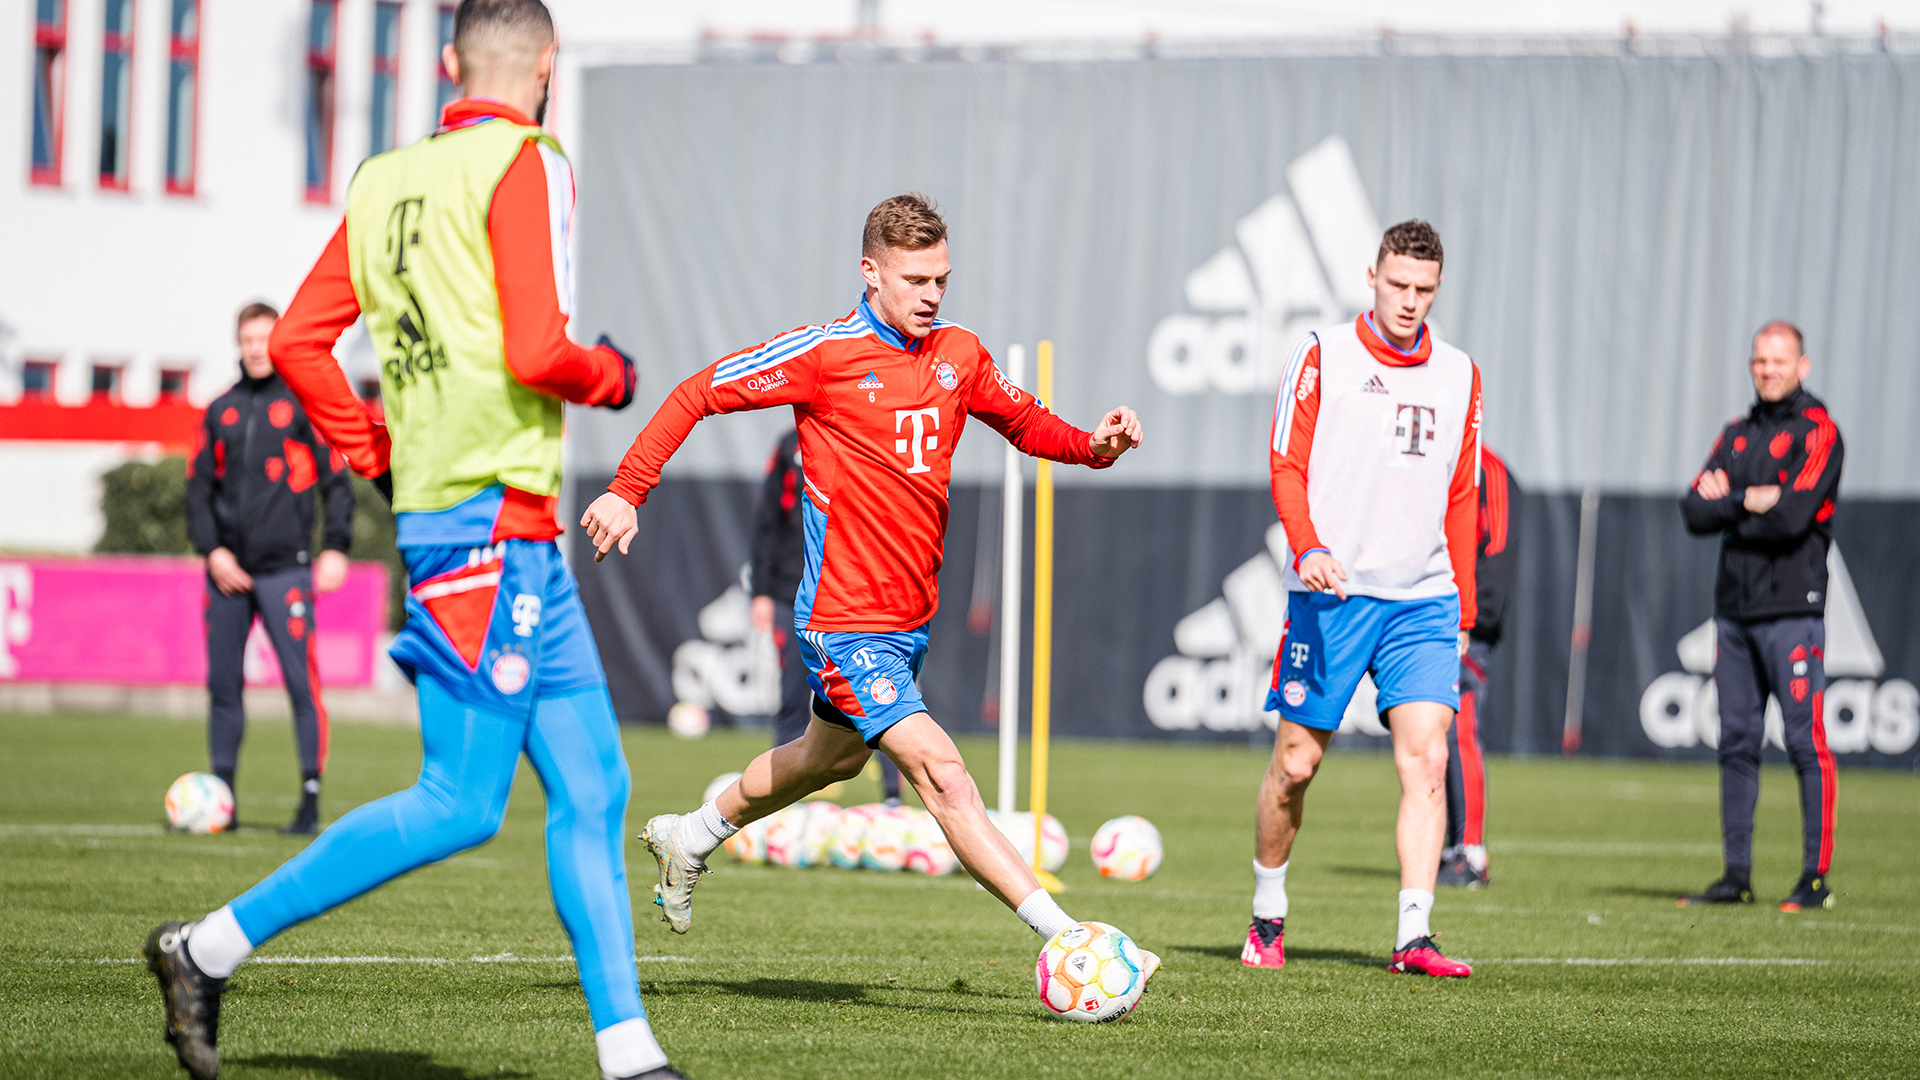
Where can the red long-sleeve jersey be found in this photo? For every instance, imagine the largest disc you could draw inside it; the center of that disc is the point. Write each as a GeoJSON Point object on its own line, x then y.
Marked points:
{"type": "Point", "coordinates": [878, 415]}
{"type": "Point", "coordinates": [527, 224]}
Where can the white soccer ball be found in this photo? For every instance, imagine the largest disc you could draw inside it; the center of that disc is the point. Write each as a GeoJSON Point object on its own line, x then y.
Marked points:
{"type": "Point", "coordinates": [749, 845]}
{"type": "Point", "coordinates": [687, 720]}
{"type": "Point", "coordinates": [1127, 848]}
{"type": "Point", "coordinates": [884, 846]}
{"type": "Point", "coordinates": [850, 831]}
{"type": "Point", "coordinates": [1018, 829]}
{"type": "Point", "coordinates": [1090, 972]}
{"type": "Point", "coordinates": [927, 849]}
{"type": "Point", "coordinates": [200, 802]}
{"type": "Point", "coordinates": [816, 834]}
{"type": "Point", "coordinates": [782, 837]}
{"type": "Point", "coordinates": [720, 783]}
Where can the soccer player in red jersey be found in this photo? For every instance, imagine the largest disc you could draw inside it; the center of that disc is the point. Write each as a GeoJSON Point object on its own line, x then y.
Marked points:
{"type": "Point", "coordinates": [880, 398]}
{"type": "Point", "coordinates": [1375, 462]}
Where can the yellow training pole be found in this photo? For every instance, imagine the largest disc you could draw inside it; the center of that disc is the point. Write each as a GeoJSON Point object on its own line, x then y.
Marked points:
{"type": "Point", "coordinates": [1042, 627]}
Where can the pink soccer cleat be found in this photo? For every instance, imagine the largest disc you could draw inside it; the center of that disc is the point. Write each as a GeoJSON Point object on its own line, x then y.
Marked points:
{"type": "Point", "coordinates": [1264, 948]}
{"type": "Point", "coordinates": [1422, 957]}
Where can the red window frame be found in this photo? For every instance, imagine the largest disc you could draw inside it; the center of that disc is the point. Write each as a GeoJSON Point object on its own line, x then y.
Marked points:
{"type": "Point", "coordinates": [446, 90]}
{"type": "Point", "coordinates": [116, 372]}
{"type": "Point", "coordinates": [183, 52]}
{"type": "Point", "coordinates": [39, 393]}
{"type": "Point", "coordinates": [322, 79]}
{"type": "Point", "coordinates": [117, 43]}
{"type": "Point", "coordinates": [181, 377]}
{"type": "Point", "coordinates": [386, 66]}
{"type": "Point", "coordinates": [51, 37]}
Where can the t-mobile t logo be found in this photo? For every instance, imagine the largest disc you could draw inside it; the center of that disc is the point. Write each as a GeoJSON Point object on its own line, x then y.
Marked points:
{"type": "Point", "coordinates": [1413, 428]}
{"type": "Point", "coordinates": [921, 441]}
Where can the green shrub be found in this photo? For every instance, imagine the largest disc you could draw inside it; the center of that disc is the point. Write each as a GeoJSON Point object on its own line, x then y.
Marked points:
{"type": "Point", "coordinates": [145, 504]}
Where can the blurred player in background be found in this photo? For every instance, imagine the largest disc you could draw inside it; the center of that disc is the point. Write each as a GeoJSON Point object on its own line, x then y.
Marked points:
{"type": "Point", "coordinates": [1768, 489]}
{"type": "Point", "coordinates": [454, 250]}
{"type": "Point", "coordinates": [881, 397]}
{"type": "Point", "coordinates": [1464, 860]}
{"type": "Point", "coordinates": [777, 569]}
{"type": "Point", "coordinates": [251, 483]}
{"type": "Point", "coordinates": [1383, 531]}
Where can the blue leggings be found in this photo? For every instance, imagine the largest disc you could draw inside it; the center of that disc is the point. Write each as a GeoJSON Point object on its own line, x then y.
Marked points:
{"type": "Point", "coordinates": [465, 778]}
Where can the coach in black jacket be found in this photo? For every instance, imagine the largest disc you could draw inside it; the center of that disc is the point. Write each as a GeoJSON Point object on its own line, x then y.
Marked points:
{"type": "Point", "coordinates": [250, 492]}
{"type": "Point", "coordinates": [1768, 489]}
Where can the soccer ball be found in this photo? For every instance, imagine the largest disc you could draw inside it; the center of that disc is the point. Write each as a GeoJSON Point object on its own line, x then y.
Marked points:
{"type": "Point", "coordinates": [720, 783]}
{"type": "Point", "coordinates": [1127, 848]}
{"type": "Point", "coordinates": [783, 833]}
{"type": "Point", "coordinates": [749, 845]}
{"type": "Point", "coordinates": [927, 849]}
{"type": "Point", "coordinates": [1090, 972]}
{"type": "Point", "coordinates": [850, 830]}
{"type": "Point", "coordinates": [687, 720]}
{"type": "Point", "coordinates": [200, 802]}
{"type": "Point", "coordinates": [1018, 829]}
{"type": "Point", "coordinates": [884, 846]}
{"type": "Point", "coordinates": [816, 833]}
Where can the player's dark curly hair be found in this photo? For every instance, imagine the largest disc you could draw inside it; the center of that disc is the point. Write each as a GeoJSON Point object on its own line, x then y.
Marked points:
{"type": "Point", "coordinates": [503, 19]}
{"type": "Point", "coordinates": [1413, 238]}
{"type": "Point", "coordinates": [910, 222]}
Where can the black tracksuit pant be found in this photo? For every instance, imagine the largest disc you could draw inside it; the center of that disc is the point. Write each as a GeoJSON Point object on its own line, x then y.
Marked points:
{"type": "Point", "coordinates": [284, 601]}
{"type": "Point", "coordinates": [1784, 657]}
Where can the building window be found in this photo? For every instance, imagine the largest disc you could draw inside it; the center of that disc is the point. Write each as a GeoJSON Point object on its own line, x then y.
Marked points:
{"type": "Point", "coordinates": [36, 379]}
{"type": "Point", "coordinates": [183, 95]}
{"type": "Point", "coordinates": [449, 90]}
{"type": "Point", "coordinates": [386, 75]}
{"type": "Point", "coordinates": [106, 382]}
{"type": "Point", "coordinates": [173, 384]}
{"type": "Point", "coordinates": [49, 88]}
{"type": "Point", "coordinates": [116, 92]}
{"type": "Point", "coordinates": [320, 64]}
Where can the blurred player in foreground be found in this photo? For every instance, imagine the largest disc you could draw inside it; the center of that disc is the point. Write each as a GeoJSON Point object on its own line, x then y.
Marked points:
{"type": "Point", "coordinates": [449, 249]}
{"type": "Point", "coordinates": [1768, 489]}
{"type": "Point", "coordinates": [1464, 860]}
{"type": "Point", "coordinates": [1383, 531]}
{"type": "Point", "coordinates": [778, 568]}
{"type": "Point", "coordinates": [250, 490]}
{"type": "Point", "coordinates": [880, 397]}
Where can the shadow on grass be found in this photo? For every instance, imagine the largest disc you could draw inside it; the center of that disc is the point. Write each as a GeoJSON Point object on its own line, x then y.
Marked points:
{"type": "Point", "coordinates": [1641, 891]}
{"type": "Point", "coordinates": [824, 993]}
{"type": "Point", "coordinates": [1331, 956]}
{"type": "Point", "coordinates": [1367, 871]}
{"type": "Point", "coordinates": [367, 1065]}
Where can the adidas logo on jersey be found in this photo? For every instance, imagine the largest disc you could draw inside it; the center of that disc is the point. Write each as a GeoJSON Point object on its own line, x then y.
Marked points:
{"type": "Point", "coordinates": [1682, 709]}
{"type": "Point", "coordinates": [871, 382]}
{"type": "Point", "coordinates": [1374, 386]}
{"type": "Point", "coordinates": [1298, 261]}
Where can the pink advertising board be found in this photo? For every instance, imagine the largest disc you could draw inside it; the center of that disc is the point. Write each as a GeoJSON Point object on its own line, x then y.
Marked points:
{"type": "Point", "coordinates": [135, 620]}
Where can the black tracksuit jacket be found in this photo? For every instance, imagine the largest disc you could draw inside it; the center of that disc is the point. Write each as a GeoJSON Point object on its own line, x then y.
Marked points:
{"type": "Point", "coordinates": [779, 535]}
{"type": "Point", "coordinates": [250, 481]}
{"type": "Point", "coordinates": [1495, 559]}
{"type": "Point", "coordinates": [1773, 565]}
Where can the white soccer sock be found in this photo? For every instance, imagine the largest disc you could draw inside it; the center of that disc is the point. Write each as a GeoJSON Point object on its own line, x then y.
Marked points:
{"type": "Point", "coordinates": [1042, 912]}
{"type": "Point", "coordinates": [217, 944]}
{"type": "Point", "coordinates": [628, 1048]}
{"type": "Point", "coordinates": [1269, 891]}
{"type": "Point", "coordinates": [1476, 857]}
{"type": "Point", "coordinates": [1415, 906]}
{"type": "Point", "coordinates": [703, 830]}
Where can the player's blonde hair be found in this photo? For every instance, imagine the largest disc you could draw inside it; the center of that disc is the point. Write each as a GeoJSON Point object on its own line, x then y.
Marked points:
{"type": "Point", "coordinates": [910, 222]}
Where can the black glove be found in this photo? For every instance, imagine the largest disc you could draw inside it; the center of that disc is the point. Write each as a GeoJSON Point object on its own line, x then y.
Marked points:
{"type": "Point", "coordinates": [384, 485]}
{"type": "Point", "coordinates": [630, 378]}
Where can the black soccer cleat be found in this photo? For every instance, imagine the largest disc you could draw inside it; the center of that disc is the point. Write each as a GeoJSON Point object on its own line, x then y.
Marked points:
{"type": "Point", "coordinates": [664, 1072]}
{"type": "Point", "coordinates": [1810, 892]}
{"type": "Point", "coordinates": [306, 820]}
{"type": "Point", "coordinates": [1728, 890]}
{"type": "Point", "coordinates": [1458, 871]}
{"type": "Point", "coordinates": [192, 1000]}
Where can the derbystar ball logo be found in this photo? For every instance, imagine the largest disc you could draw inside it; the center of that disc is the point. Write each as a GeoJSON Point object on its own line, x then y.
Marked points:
{"type": "Point", "coordinates": [1298, 261]}
{"type": "Point", "coordinates": [772, 380]}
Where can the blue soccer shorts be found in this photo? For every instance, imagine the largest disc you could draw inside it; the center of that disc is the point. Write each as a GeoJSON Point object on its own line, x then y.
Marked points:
{"type": "Point", "coordinates": [865, 681]}
{"type": "Point", "coordinates": [1411, 647]}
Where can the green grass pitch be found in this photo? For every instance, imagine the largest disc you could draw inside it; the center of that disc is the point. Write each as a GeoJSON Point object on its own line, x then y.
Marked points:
{"type": "Point", "coordinates": [827, 973]}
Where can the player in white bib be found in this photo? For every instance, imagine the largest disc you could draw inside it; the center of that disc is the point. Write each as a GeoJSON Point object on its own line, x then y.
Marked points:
{"type": "Point", "coordinates": [1375, 460]}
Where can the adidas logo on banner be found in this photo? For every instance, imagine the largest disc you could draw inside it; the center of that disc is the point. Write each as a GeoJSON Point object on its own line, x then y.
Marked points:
{"type": "Point", "coordinates": [1298, 261]}
{"type": "Point", "coordinates": [1682, 708]}
{"type": "Point", "coordinates": [1374, 386]}
{"type": "Point", "coordinates": [729, 666]}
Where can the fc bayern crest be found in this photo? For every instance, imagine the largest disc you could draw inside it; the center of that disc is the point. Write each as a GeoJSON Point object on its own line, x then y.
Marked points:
{"type": "Point", "coordinates": [883, 691]}
{"type": "Point", "coordinates": [511, 672]}
{"type": "Point", "coordinates": [1295, 692]}
{"type": "Point", "coordinates": [948, 377]}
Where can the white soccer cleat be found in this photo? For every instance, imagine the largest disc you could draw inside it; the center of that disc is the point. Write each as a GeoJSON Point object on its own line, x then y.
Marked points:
{"type": "Point", "coordinates": [679, 872]}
